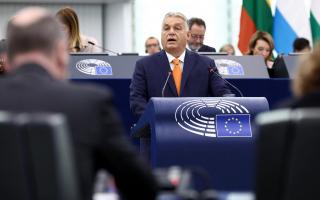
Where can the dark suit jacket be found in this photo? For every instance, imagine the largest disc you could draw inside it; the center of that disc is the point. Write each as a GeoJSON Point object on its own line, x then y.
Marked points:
{"type": "Point", "coordinates": [151, 72]}
{"type": "Point", "coordinates": [308, 101]}
{"type": "Point", "coordinates": [206, 48]}
{"type": "Point", "coordinates": [97, 134]}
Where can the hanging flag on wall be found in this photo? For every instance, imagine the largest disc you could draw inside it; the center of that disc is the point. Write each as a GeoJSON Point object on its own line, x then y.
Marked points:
{"type": "Point", "coordinates": [315, 20]}
{"type": "Point", "coordinates": [255, 15]}
{"type": "Point", "coordinates": [291, 20]}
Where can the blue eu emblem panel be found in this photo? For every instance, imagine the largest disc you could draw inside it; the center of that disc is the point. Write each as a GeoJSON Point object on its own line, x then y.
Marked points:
{"type": "Point", "coordinates": [233, 125]}
{"type": "Point", "coordinates": [103, 70]}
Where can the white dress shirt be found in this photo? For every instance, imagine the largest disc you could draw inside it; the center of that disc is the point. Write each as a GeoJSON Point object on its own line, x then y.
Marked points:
{"type": "Point", "coordinates": [181, 59]}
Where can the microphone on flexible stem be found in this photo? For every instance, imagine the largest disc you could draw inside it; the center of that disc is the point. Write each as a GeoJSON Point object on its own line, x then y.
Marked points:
{"type": "Point", "coordinates": [211, 70]}
{"type": "Point", "coordinates": [165, 83]}
{"type": "Point", "coordinates": [104, 49]}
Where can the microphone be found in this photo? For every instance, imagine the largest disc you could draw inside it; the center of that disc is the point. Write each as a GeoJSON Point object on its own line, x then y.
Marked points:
{"type": "Point", "coordinates": [211, 70]}
{"type": "Point", "coordinates": [165, 83]}
{"type": "Point", "coordinates": [104, 49]}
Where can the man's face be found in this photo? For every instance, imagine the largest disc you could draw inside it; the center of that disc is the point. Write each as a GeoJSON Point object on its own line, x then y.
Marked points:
{"type": "Point", "coordinates": [174, 35]}
{"type": "Point", "coordinates": [196, 36]}
{"type": "Point", "coordinates": [152, 46]}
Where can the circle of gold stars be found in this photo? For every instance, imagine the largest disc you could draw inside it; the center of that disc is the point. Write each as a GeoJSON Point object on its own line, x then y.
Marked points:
{"type": "Point", "coordinates": [234, 120]}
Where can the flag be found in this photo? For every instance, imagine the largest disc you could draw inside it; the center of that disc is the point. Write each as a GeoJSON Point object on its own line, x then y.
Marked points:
{"type": "Point", "coordinates": [255, 15]}
{"type": "Point", "coordinates": [235, 125]}
{"type": "Point", "coordinates": [315, 20]}
{"type": "Point", "coordinates": [103, 70]}
{"type": "Point", "coordinates": [291, 20]}
{"type": "Point", "coordinates": [235, 70]}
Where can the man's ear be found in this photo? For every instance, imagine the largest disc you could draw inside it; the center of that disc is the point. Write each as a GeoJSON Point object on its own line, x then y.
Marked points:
{"type": "Point", "coordinates": [188, 35]}
{"type": "Point", "coordinates": [62, 58]}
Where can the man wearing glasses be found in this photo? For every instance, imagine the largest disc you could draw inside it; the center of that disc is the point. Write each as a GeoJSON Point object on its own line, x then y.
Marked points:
{"type": "Point", "coordinates": [152, 45]}
{"type": "Point", "coordinates": [197, 30]}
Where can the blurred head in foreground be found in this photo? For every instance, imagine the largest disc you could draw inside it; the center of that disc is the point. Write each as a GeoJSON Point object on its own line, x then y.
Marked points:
{"type": "Point", "coordinates": [34, 36]}
{"type": "Point", "coordinates": [307, 78]}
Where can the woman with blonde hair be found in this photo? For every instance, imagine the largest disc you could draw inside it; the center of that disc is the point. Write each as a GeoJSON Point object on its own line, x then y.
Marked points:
{"type": "Point", "coordinates": [70, 24]}
{"type": "Point", "coordinates": [261, 43]}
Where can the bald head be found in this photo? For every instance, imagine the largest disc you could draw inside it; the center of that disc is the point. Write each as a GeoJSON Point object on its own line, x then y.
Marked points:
{"type": "Point", "coordinates": [33, 29]}
{"type": "Point", "coordinates": [34, 35]}
{"type": "Point", "coordinates": [28, 16]}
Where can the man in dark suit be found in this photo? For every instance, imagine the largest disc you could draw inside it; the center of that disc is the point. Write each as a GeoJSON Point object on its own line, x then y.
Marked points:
{"type": "Point", "coordinates": [38, 56]}
{"type": "Point", "coordinates": [197, 30]}
{"type": "Point", "coordinates": [187, 74]}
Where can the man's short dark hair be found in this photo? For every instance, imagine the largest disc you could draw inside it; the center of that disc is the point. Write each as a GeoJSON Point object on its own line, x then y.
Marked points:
{"type": "Point", "coordinates": [300, 44]}
{"type": "Point", "coordinates": [41, 35]}
{"type": "Point", "coordinates": [197, 21]}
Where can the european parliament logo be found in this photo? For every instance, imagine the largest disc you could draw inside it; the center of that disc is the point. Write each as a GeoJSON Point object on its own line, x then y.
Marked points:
{"type": "Point", "coordinates": [214, 118]}
{"type": "Point", "coordinates": [229, 67]}
{"type": "Point", "coordinates": [94, 67]}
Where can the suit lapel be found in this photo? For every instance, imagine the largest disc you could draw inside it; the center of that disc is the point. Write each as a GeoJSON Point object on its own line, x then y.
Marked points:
{"type": "Point", "coordinates": [188, 65]}
{"type": "Point", "coordinates": [165, 65]}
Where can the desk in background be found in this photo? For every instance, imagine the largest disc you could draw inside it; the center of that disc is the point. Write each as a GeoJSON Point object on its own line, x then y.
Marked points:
{"type": "Point", "coordinates": [116, 72]}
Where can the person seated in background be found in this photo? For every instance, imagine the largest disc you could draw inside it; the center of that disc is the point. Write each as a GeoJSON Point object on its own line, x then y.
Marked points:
{"type": "Point", "coordinates": [228, 48]}
{"type": "Point", "coordinates": [38, 59]}
{"type": "Point", "coordinates": [76, 42]}
{"type": "Point", "coordinates": [306, 84]}
{"type": "Point", "coordinates": [197, 30]}
{"type": "Point", "coordinates": [301, 45]}
{"type": "Point", "coordinates": [3, 56]}
{"type": "Point", "coordinates": [152, 45]}
{"type": "Point", "coordinates": [261, 43]}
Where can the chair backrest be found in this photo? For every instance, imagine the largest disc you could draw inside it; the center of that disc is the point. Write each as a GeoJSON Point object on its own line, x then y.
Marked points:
{"type": "Point", "coordinates": [37, 159]}
{"type": "Point", "coordinates": [288, 154]}
{"type": "Point", "coordinates": [279, 68]}
{"type": "Point", "coordinates": [304, 172]}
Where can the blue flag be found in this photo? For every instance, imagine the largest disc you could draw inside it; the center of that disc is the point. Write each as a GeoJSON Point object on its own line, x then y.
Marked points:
{"type": "Point", "coordinates": [233, 125]}
{"type": "Point", "coordinates": [291, 20]}
{"type": "Point", "coordinates": [103, 70]}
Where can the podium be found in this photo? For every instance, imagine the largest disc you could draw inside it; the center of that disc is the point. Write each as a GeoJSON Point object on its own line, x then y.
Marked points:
{"type": "Point", "coordinates": [214, 133]}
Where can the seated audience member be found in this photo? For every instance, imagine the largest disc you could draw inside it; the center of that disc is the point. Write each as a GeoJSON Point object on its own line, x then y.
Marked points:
{"type": "Point", "coordinates": [197, 30]}
{"type": "Point", "coordinates": [306, 84]}
{"type": "Point", "coordinates": [3, 56]}
{"type": "Point", "coordinates": [76, 42]}
{"type": "Point", "coordinates": [38, 56]}
{"type": "Point", "coordinates": [152, 45]}
{"type": "Point", "coordinates": [174, 71]}
{"type": "Point", "coordinates": [228, 48]}
{"type": "Point", "coordinates": [301, 45]}
{"type": "Point", "coordinates": [261, 43]}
